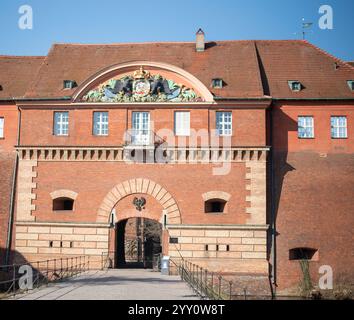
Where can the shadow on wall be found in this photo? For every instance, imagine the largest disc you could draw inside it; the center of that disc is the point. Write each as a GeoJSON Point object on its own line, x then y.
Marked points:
{"type": "Point", "coordinates": [9, 272]}
{"type": "Point", "coordinates": [279, 169]}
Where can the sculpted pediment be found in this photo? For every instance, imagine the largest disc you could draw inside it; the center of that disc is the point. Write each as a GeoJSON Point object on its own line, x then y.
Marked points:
{"type": "Point", "coordinates": [144, 84]}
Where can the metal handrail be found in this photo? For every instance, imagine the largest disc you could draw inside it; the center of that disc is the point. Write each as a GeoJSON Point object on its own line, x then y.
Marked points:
{"type": "Point", "coordinates": [153, 138]}
{"type": "Point", "coordinates": [212, 285]}
{"type": "Point", "coordinates": [44, 272]}
{"type": "Point", "coordinates": [207, 284]}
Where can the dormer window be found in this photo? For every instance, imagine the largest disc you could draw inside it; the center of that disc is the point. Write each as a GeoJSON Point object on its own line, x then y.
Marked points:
{"type": "Point", "coordinates": [217, 83]}
{"type": "Point", "coordinates": [70, 84]}
{"type": "Point", "coordinates": [295, 85]}
{"type": "Point", "coordinates": [351, 84]}
{"type": "Point", "coordinates": [1, 87]}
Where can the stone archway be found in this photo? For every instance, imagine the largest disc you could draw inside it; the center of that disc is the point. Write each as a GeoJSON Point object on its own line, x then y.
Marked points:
{"type": "Point", "coordinates": [140, 186]}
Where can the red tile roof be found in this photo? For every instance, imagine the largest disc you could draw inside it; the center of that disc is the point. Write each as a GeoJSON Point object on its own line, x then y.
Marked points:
{"type": "Point", "coordinates": [250, 69]}
{"type": "Point", "coordinates": [235, 62]}
{"type": "Point", "coordinates": [322, 75]}
{"type": "Point", "coordinates": [16, 74]}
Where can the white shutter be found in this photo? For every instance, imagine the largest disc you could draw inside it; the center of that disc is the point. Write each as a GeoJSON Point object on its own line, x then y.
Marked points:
{"type": "Point", "coordinates": [1, 127]}
{"type": "Point", "coordinates": [182, 123]}
{"type": "Point", "coordinates": [186, 123]}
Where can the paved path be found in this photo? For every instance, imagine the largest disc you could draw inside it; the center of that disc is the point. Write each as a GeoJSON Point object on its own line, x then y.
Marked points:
{"type": "Point", "coordinates": [116, 285]}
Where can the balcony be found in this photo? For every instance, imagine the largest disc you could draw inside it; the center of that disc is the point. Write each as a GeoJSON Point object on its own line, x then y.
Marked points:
{"type": "Point", "coordinates": [142, 138]}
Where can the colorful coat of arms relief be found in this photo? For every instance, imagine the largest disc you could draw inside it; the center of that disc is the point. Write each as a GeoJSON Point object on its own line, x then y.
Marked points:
{"type": "Point", "coordinates": [141, 86]}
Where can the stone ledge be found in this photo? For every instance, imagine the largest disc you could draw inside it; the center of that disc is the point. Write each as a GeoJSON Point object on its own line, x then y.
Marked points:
{"type": "Point", "coordinates": [219, 227]}
{"type": "Point", "coordinates": [198, 155]}
{"type": "Point", "coordinates": [62, 224]}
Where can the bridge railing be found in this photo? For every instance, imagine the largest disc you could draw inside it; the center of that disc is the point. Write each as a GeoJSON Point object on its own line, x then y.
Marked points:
{"type": "Point", "coordinates": [207, 284]}
{"type": "Point", "coordinates": [20, 278]}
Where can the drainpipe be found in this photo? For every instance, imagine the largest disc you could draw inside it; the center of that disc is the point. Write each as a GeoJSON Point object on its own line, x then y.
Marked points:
{"type": "Point", "coordinates": [273, 206]}
{"type": "Point", "coordinates": [12, 197]}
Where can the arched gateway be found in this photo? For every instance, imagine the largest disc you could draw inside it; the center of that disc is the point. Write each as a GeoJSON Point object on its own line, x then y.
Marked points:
{"type": "Point", "coordinates": [140, 186]}
{"type": "Point", "coordinates": [134, 202]}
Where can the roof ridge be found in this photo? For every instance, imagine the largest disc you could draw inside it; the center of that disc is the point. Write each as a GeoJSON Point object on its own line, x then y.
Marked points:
{"type": "Point", "coordinates": [166, 42]}
{"type": "Point", "coordinates": [120, 43]}
{"type": "Point", "coordinates": [258, 70]}
{"type": "Point", "coordinates": [20, 57]}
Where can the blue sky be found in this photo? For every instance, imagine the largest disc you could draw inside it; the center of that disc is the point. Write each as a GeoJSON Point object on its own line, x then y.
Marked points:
{"type": "Point", "coordinates": [110, 21]}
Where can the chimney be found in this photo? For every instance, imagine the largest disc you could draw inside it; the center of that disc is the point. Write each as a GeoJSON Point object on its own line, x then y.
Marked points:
{"type": "Point", "coordinates": [200, 42]}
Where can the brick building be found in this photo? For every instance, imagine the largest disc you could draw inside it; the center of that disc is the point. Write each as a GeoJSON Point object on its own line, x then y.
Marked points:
{"type": "Point", "coordinates": [243, 151]}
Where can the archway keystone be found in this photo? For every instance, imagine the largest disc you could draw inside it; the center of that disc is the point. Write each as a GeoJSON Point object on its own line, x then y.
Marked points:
{"type": "Point", "coordinates": [140, 186]}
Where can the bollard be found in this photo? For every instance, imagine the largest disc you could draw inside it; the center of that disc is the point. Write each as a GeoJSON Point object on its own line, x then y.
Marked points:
{"type": "Point", "coordinates": [165, 266]}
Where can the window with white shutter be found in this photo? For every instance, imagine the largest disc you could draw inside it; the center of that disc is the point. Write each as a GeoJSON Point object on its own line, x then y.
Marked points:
{"type": "Point", "coordinates": [2, 127]}
{"type": "Point", "coordinates": [182, 123]}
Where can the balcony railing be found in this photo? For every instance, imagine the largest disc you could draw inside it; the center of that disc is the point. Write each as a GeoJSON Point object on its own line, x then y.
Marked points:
{"type": "Point", "coordinates": [142, 138]}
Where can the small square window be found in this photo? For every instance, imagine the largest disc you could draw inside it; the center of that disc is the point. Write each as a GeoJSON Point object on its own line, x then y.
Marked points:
{"type": "Point", "coordinates": [174, 240]}
{"type": "Point", "coordinates": [306, 128]}
{"type": "Point", "coordinates": [339, 129]}
{"type": "Point", "coordinates": [351, 84]}
{"type": "Point", "coordinates": [217, 83]}
{"type": "Point", "coordinates": [295, 86]}
{"type": "Point", "coordinates": [69, 84]}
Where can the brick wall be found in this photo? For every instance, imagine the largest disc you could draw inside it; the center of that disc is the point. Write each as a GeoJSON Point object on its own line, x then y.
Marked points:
{"type": "Point", "coordinates": [10, 115]}
{"type": "Point", "coordinates": [314, 194]}
{"type": "Point", "coordinates": [315, 211]}
{"type": "Point", "coordinates": [7, 162]}
{"type": "Point", "coordinates": [100, 187]}
{"type": "Point", "coordinates": [93, 181]}
{"type": "Point", "coordinates": [248, 132]}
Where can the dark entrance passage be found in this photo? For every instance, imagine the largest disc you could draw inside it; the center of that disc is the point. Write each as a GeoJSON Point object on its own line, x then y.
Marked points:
{"type": "Point", "coordinates": [138, 243]}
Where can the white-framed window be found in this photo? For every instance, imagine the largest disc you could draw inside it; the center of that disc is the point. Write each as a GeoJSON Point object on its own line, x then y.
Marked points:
{"type": "Point", "coordinates": [306, 129]}
{"type": "Point", "coordinates": [224, 123]}
{"type": "Point", "coordinates": [141, 134]}
{"type": "Point", "coordinates": [61, 123]}
{"type": "Point", "coordinates": [182, 123]}
{"type": "Point", "coordinates": [100, 123]}
{"type": "Point", "coordinates": [339, 129]}
{"type": "Point", "coordinates": [2, 122]}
